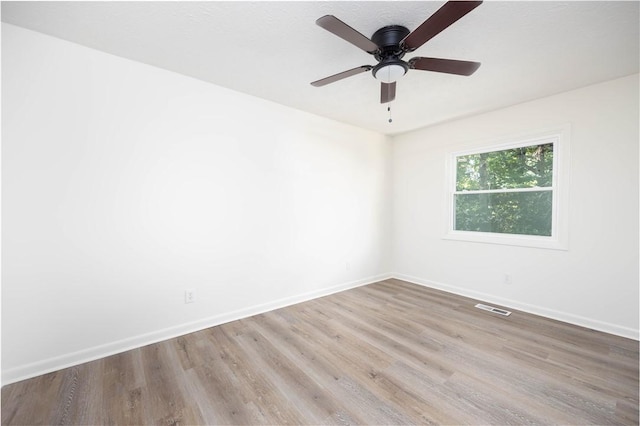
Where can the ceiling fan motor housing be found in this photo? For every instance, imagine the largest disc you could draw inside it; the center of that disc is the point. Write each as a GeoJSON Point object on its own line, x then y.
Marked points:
{"type": "Point", "coordinates": [390, 52]}
{"type": "Point", "coordinates": [388, 40]}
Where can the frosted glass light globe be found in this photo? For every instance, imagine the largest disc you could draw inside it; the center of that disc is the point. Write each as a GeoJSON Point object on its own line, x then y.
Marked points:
{"type": "Point", "coordinates": [390, 73]}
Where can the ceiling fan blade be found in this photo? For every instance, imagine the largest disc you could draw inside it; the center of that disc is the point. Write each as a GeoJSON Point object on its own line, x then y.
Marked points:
{"type": "Point", "coordinates": [387, 92]}
{"type": "Point", "coordinates": [441, 19]}
{"type": "Point", "coordinates": [345, 32]}
{"type": "Point", "coordinates": [449, 66]}
{"type": "Point", "coordinates": [341, 75]}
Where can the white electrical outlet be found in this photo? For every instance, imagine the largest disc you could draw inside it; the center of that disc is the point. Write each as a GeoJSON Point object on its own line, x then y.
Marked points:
{"type": "Point", "coordinates": [189, 296]}
{"type": "Point", "coordinates": [507, 279]}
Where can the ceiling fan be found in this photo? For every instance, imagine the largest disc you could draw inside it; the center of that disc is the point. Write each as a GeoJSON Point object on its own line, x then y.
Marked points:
{"type": "Point", "coordinates": [389, 44]}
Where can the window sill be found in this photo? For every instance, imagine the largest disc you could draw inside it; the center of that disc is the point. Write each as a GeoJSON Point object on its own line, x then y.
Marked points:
{"type": "Point", "coordinates": [507, 239]}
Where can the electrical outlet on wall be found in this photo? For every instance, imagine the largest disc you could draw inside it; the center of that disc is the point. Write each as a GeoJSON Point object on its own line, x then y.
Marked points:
{"type": "Point", "coordinates": [507, 279]}
{"type": "Point", "coordinates": [189, 295]}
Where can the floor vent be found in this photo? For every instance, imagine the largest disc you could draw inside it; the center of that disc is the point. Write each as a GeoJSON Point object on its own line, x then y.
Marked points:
{"type": "Point", "coordinates": [492, 309]}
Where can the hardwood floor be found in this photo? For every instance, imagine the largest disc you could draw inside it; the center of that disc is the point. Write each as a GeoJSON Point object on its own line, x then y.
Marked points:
{"type": "Point", "coordinates": [386, 353]}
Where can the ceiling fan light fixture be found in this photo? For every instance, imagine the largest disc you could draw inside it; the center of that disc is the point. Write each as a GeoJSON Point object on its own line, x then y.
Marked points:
{"type": "Point", "coordinates": [390, 71]}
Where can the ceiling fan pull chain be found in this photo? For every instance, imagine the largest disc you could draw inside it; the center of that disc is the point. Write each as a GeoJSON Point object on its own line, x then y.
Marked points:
{"type": "Point", "coordinates": [389, 109]}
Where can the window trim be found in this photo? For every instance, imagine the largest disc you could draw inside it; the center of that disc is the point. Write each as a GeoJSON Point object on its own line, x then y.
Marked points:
{"type": "Point", "coordinates": [560, 137]}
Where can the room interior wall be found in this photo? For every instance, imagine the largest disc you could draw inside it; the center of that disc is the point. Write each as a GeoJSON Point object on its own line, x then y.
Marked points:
{"type": "Point", "coordinates": [595, 282]}
{"type": "Point", "coordinates": [123, 185]}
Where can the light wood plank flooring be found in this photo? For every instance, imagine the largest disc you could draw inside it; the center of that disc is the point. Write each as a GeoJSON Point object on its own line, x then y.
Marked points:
{"type": "Point", "coordinates": [386, 353]}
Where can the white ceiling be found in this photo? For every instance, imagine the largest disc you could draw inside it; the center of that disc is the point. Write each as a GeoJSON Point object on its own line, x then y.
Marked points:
{"type": "Point", "coordinates": [273, 50]}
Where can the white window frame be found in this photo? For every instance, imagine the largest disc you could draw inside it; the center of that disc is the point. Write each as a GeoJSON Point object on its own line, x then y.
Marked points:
{"type": "Point", "coordinates": [560, 137]}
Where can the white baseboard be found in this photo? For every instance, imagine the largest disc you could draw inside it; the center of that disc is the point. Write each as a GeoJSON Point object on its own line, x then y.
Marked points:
{"type": "Point", "coordinates": [525, 307]}
{"type": "Point", "coordinates": [49, 365]}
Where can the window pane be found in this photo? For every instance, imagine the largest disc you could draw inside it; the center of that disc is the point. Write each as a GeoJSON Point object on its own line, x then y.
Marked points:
{"type": "Point", "coordinates": [527, 213]}
{"type": "Point", "coordinates": [526, 167]}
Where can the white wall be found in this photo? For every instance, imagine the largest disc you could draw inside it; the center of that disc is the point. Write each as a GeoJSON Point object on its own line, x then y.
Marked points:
{"type": "Point", "coordinates": [123, 185]}
{"type": "Point", "coordinates": [595, 282]}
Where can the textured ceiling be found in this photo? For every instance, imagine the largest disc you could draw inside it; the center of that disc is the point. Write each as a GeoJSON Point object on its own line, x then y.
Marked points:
{"type": "Point", "coordinates": [273, 50]}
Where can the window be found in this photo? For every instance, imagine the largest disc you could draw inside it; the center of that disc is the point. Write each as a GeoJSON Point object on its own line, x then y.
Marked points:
{"type": "Point", "coordinates": [509, 193]}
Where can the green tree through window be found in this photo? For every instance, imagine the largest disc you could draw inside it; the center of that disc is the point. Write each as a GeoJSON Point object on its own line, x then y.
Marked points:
{"type": "Point", "coordinates": [508, 191]}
